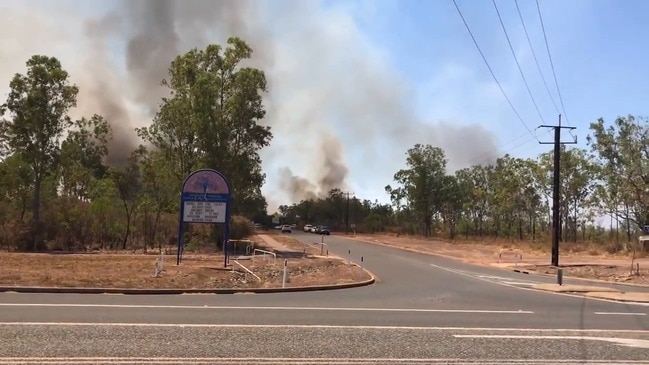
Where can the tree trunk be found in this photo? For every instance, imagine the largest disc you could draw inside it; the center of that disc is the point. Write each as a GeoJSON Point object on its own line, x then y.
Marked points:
{"type": "Point", "coordinates": [36, 215]}
{"type": "Point", "coordinates": [628, 223]}
{"type": "Point", "coordinates": [128, 229]}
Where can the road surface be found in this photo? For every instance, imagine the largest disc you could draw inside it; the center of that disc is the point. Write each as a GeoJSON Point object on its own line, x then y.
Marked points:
{"type": "Point", "coordinates": [423, 309]}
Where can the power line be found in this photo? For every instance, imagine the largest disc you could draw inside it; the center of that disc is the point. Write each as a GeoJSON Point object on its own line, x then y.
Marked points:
{"type": "Point", "coordinates": [490, 70]}
{"type": "Point", "coordinates": [547, 47]}
{"type": "Point", "coordinates": [511, 48]}
{"type": "Point", "coordinates": [536, 61]}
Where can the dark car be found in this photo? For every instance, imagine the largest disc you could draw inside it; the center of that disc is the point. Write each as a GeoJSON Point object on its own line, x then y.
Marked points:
{"type": "Point", "coordinates": [324, 230]}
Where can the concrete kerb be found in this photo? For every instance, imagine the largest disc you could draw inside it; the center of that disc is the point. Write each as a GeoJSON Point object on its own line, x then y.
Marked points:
{"type": "Point", "coordinates": [67, 290]}
{"type": "Point", "coordinates": [518, 270]}
{"type": "Point", "coordinates": [580, 278]}
{"type": "Point", "coordinates": [595, 292]}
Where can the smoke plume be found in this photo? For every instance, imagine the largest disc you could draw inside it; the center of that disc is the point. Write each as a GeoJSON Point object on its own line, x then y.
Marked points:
{"type": "Point", "coordinates": [328, 87]}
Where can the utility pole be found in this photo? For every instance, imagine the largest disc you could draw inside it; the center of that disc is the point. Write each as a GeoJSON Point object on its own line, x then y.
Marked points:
{"type": "Point", "coordinates": [347, 214]}
{"type": "Point", "coordinates": [556, 187]}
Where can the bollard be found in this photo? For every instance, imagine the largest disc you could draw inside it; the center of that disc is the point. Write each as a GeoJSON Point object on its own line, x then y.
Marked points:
{"type": "Point", "coordinates": [560, 276]}
{"type": "Point", "coordinates": [637, 269]}
{"type": "Point", "coordinates": [322, 238]}
{"type": "Point", "coordinates": [516, 260]}
{"type": "Point", "coordinates": [321, 250]}
{"type": "Point", "coordinates": [327, 252]}
{"type": "Point", "coordinates": [362, 267]}
{"type": "Point", "coordinates": [156, 268]}
{"type": "Point", "coordinates": [349, 257]}
{"type": "Point", "coordinates": [285, 274]}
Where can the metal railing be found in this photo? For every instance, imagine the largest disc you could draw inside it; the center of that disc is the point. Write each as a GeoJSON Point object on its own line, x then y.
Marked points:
{"type": "Point", "coordinates": [265, 253]}
{"type": "Point", "coordinates": [246, 269]}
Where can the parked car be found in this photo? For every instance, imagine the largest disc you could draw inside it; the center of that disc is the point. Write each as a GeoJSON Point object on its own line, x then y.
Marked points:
{"type": "Point", "coordinates": [324, 230]}
{"type": "Point", "coordinates": [307, 228]}
{"type": "Point", "coordinates": [286, 229]}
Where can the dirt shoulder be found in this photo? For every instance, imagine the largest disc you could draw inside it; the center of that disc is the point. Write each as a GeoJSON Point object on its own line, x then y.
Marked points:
{"type": "Point", "coordinates": [590, 263]}
{"type": "Point", "coordinates": [103, 270]}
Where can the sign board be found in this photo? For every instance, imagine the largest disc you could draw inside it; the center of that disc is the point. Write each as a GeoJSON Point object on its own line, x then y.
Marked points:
{"type": "Point", "coordinates": [204, 212]}
{"type": "Point", "coordinates": [205, 198]}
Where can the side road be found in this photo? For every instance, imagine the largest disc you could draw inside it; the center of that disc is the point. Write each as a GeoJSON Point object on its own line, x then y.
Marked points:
{"type": "Point", "coordinates": [600, 292]}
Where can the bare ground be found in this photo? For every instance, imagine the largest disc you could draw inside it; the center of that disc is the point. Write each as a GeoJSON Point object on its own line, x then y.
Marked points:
{"type": "Point", "coordinates": [312, 248]}
{"type": "Point", "coordinates": [579, 260]}
{"type": "Point", "coordinates": [196, 271]}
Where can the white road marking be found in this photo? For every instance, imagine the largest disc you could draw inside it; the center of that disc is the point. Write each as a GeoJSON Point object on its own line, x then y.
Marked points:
{"type": "Point", "coordinates": [475, 276]}
{"type": "Point", "coordinates": [317, 326]}
{"type": "Point", "coordinates": [342, 309]}
{"type": "Point", "coordinates": [292, 361]}
{"type": "Point", "coordinates": [519, 283]}
{"type": "Point", "coordinates": [622, 313]}
{"type": "Point", "coordinates": [628, 342]}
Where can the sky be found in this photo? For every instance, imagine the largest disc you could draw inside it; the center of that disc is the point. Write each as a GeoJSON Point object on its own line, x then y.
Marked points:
{"type": "Point", "coordinates": [354, 84]}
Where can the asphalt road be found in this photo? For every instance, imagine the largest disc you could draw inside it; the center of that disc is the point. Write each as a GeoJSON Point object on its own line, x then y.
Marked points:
{"type": "Point", "coordinates": [423, 308]}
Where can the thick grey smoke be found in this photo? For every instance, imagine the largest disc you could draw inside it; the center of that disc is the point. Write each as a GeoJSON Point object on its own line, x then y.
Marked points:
{"type": "Point", "coordinates": [332, 174]}
{"type": "Point", "coordinates": [328, 88]}
{"type": "Point", "coordinates": [153, 33]}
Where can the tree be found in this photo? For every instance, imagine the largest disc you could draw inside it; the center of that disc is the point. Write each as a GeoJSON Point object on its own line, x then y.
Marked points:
{"type": "Point", "coordinates": [82, 155]}
{"type": "Point", "coordinates": [211, 119]}
{"type": "Point", "coordinates": [38, 104]}
{"type": "Point", "coordinates": [622, 151]}
{"type": "Point", "coordinates": [422, 183]}
{"type": "Point", "coordinates": [128, 182]}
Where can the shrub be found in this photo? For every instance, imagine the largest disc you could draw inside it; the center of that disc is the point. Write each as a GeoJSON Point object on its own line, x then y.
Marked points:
{"type": "Point", "coordinates": [240, 227]}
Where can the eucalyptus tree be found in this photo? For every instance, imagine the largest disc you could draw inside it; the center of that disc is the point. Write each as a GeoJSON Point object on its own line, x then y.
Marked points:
{"type": "Point", "coordinates": [212, 118]}
{"type": "Point", "coordinates": [38, 105]}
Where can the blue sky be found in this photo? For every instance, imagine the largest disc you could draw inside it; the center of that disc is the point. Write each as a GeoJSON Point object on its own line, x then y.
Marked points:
{"type": "Point", "coordinates": [599, 51]}
{"type": "Point", "coordinates": [361, 70]}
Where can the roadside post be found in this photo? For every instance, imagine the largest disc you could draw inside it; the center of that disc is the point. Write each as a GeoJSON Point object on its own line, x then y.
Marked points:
{"type": "Point", "coordinates": [205, 198]}
{"type": "Point", "coordinates": [285, 273]}
{"type": "Point", "coordinates": [560, 276]}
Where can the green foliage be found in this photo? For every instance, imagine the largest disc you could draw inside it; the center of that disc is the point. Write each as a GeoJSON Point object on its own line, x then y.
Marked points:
{"type": "Point", "coordinates": [331, 211]}
{"type": "Point", "coordinates": [211, 119]}
{"type": "Point", "coordinates": [38, 103]}
{"type": "Point", "coordinates": [58, 193]}
{"type": "Point", "coordinates": [240, 227]}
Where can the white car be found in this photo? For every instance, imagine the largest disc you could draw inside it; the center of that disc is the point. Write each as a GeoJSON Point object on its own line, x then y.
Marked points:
{"type": "Point", "coordinates": [307, 228]}
{"type": "Point", "coordinates": [286, 228]}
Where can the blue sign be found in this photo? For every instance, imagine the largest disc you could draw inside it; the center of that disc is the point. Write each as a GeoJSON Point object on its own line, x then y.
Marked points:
{"type": "Point", "coordinates": [205, 198]}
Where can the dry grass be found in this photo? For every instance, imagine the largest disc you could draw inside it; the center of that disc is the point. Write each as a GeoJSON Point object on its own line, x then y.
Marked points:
{"type": "Point", "coordinates": [578, 259]}
{"type": "Point", "coordinates": [297, 246]}
{"type": "Point", "coordinates": [136, 271]}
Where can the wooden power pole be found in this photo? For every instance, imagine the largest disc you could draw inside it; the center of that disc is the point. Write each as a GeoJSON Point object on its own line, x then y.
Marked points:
{"type": "Point", "coordinates": [556, 187]}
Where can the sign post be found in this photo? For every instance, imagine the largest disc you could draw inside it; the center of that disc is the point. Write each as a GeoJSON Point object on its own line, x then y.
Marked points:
{"type": "Point", "coordinates": [205, 198]}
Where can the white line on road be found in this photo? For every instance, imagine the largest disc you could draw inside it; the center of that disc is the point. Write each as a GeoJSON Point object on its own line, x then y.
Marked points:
{"type": "Point", "coordinates": [316, 326]}
{"type": "Point", "coordinates": [628, 342]}
{"type": "Point", "coordinates": [348, 309]}
{"type": "Point", "coordinates": [622, 313]}
{"type": "Point", "coordinates": [477, 277]}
